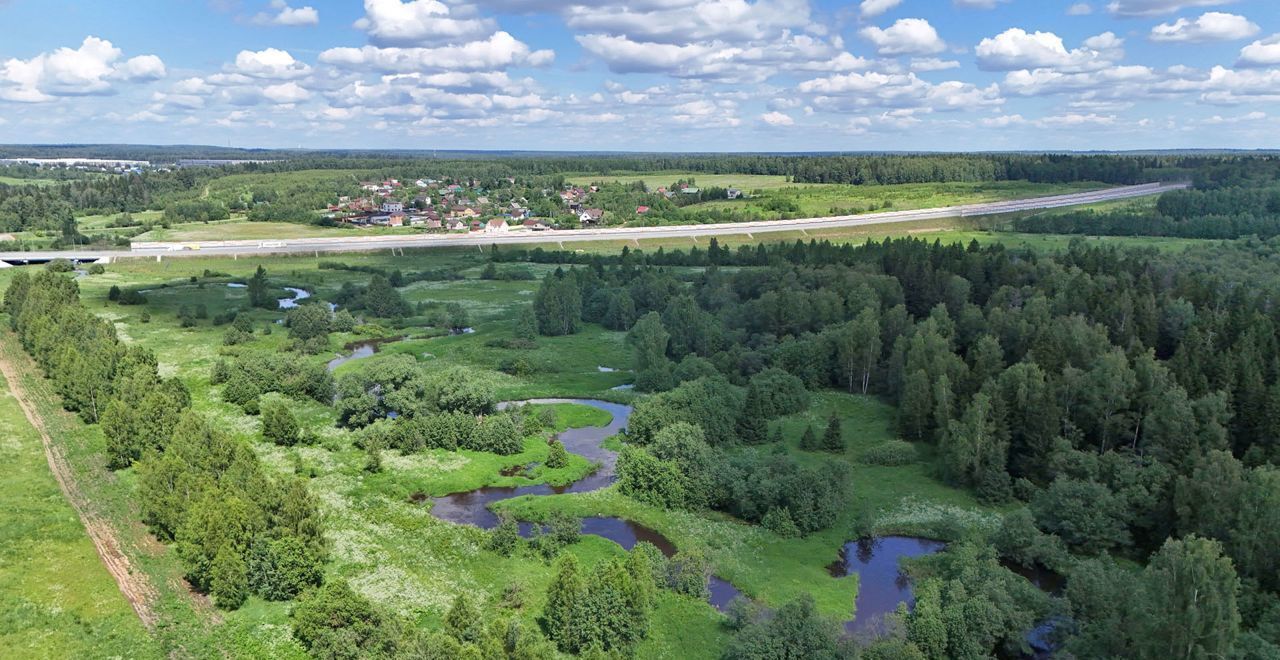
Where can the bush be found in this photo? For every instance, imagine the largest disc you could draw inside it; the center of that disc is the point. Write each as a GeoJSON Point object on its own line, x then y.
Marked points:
{"type": "Point", "coordinates": [557, 457]}
{"type": "Point", "coordinates": [891, 453]}
{"type": "Point", "coordinates": [279, 425]}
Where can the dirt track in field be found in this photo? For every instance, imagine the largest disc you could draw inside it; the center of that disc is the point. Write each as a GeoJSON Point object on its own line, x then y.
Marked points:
{"type": "Point", "coordinates": [133, 584]}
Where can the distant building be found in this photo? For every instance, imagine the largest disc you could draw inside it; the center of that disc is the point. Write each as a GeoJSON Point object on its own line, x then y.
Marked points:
{"type": "Point", "coordinates": [733, 193]}
{"type": "Point", "coordinates": [496, 226]}
{"type": "Point", "coordinates": [392, 207]}
{"type": "Point", "coordinates": [641, 210]}
{"type": "Point", "coordinates": [590, 216]}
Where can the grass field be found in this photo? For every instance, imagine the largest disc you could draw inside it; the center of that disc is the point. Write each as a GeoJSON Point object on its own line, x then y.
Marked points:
{"type": "Point", "coordinates": [15, 181]}
{"type": "Point", "coordinates": [227, 230]}
{"type": "Point", "coordinates": [820, 199]}
{"type": "Point", "coordinates": [58, 599]}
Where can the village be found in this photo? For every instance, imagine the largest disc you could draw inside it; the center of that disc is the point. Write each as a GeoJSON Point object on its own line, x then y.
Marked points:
{"type": "Point", "coordinates": [467, 206]}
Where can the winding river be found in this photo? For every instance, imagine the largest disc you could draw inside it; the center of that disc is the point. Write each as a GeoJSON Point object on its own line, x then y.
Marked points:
{"type": "Point", "coordinates": [882, 584]}
{"type": "Point", "coordinates": [472, 507]}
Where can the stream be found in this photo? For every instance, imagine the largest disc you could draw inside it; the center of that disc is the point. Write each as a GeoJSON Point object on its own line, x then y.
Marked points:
{"type": "Point", "coordinates": [882, 584]}
{"type": "Point", "coordinates": [472, 507]}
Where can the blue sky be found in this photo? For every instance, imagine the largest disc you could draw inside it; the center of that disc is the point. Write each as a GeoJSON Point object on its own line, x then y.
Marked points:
{"type": "Point", "coordinates": [664, 75]}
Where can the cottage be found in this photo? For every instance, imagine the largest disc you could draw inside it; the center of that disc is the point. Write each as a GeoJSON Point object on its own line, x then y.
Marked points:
{"type": "Point", "coordinates": [590, 216]}
{"type": "Point", "coordinates": [396, 219]}
{"type": "Point", "coordinates": [496, 226]}
{"type": "Point", "coordinates": [536, 224]}
{"type": "Point", "coordinates": [733, 193]}
{"type": "Point", "coordinates": [456, 225]}
{"type": "Point", "coordinates": [641, 210]}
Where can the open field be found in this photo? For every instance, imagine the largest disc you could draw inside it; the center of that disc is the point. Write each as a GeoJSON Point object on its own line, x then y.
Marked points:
{"type": "Point", "coordinates": [745, 182]}
{"type": "Point", "coordinates": [240, 229]}
{"type": "Point", "coordinates": [58, 599]}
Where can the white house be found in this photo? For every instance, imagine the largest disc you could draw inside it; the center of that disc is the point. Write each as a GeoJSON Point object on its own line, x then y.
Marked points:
{"type": "Point", "coordinates": [392, 207]}
{"type": "Point", "coordinates": [496, 226]}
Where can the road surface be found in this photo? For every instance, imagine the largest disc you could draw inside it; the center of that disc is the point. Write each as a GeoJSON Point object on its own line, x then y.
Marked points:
{"type": "Point", "coordinates": [558, 238]}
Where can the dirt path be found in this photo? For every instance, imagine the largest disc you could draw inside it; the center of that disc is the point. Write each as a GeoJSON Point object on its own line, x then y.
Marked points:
{"type": "Point", "coordinates": [133, 584]}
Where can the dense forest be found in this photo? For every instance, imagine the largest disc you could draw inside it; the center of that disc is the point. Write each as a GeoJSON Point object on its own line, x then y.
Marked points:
{"type": "Point", "coordinates": [1225, 201]}
{"type": "Point", "coordinates": [1127, 401]}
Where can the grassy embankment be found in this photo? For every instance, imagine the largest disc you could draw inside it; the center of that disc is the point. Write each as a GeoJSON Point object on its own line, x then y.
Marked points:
{"type": "Point", "coordinates": [58, 599]}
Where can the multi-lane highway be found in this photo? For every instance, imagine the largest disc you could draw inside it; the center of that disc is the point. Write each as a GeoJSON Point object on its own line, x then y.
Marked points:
{"type": "Point", "coordinates": [358, 243]}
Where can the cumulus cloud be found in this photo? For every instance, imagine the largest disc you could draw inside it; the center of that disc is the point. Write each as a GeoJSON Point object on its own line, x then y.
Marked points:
{"type": "Point", "coordinates": [283, 93]}
{"type": "Point", "coordinates": [282, 14]}
{"type": "Point", "coordinates": [852, 91]}
{"type": "Point", "coordinates": [1210, 26]}
{"type": "Point", "coordinates": [907, 36]}
{"type": "Point", "coordinates": [978, 4]}
{"type": "Point", "coordinates": [142, 68]}
{"type": "Point", "coordinates": [874, 8]}
{"type": "Point", "coordinates": [1264, 52]}
{"type": "Point", "coordinates": [418, 22]}
{"type": "Point", "coordinates": [1157, 7]}
{"type": "Point", "coordinates": [269, 64]}
{"type": "Point", "coordinates": [87, 70]}
{"type": "Point", "coordinates": [499, 51]}
{"type": "Point", "coordinates": [1016, 49]}
{"type": "Point", "coordinates": [1080, 9]}
{"type": "Point", "coordinates": [777, 119]}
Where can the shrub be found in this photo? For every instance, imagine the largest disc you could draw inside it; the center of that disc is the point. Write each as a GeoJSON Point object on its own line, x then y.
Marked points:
{"type": "Point", "coordinates": [891, 453]}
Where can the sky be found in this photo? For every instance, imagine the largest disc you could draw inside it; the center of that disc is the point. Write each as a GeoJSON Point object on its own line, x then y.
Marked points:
{"type": "Point", "coordinates": [644, 75]}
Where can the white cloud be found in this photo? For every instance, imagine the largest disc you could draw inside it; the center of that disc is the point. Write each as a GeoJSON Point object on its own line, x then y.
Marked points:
{"type": "Point", "coordinates": [290, 92]}
{"type": "Point", "coordinates": [923, 64]}
{"type": "Point", "coordinates": [1076, 119]}
{"type": "Point", "coordinates": [417, 23]}
{"type": "Point", "coordinates": [1016, 49]}
{"type": "Point", "coordinates": [851, 91]}
{"type": "Point", "coordinates": [1264, 52]}
{"type": "Point", "coordinates": [777, 119]}
{"type": "Point", "coordinates": [287, 16]}
{"type": "Point", "coordinates": [720, 61]}
{"type": "Point", "coordinates": [141, 68]}
{"type": "Point", "coordinates": [499, 51]}
{"type": "Point", "coordinates": [979, 4]}
{"type": "Point", "coordinates": [689, 21]}
{"type": "Point", "coordinates": [86, 70]}
{"type": "Point", "coordinates": [269, 64]}
{"type": "Point", "coordinates": [907, 36]}
{"type": "Point", "coordinates": [874, 8]}
{"type": "Point", "coordinates": [1048, 81]}
{"type": "Point", "coordinates": [1210, 26]}
{"type": "Point", "coordinates": [1157, 7]}
{"type": "Point", "coordinates": [1080, 9]}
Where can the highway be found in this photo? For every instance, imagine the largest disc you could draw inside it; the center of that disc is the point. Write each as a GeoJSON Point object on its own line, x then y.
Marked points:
{"type": "Point", "coordinates": [560, 237]}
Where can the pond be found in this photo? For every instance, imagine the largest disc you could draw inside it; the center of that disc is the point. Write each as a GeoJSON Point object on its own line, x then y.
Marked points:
{"type": "Point", "coordinates": [882, 585]}
{"type": "Point", "coordinates": [472, 507]}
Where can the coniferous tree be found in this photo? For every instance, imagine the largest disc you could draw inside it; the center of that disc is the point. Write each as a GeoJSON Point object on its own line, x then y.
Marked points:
{"type": "Point", "coordinates": [752, 427]}
{"type": "Point", "coordinates": [833, 438]}
{"type": "Point", "coordinates": [809, 441]}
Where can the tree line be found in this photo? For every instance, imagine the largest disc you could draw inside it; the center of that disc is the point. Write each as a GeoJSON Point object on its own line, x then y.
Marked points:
{"type": "Point", "coordinates": [237, 530]}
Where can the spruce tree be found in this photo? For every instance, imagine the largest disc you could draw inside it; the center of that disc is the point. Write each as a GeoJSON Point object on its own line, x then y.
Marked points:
{"type": "Point", "coordinates": [753, 428]}
{"type": "Point", "coordinates": [832, 439]}
{"type": "Point", "coordinates": [566, 589]}
{"type": "Point", "coordinates": [809, 441]}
